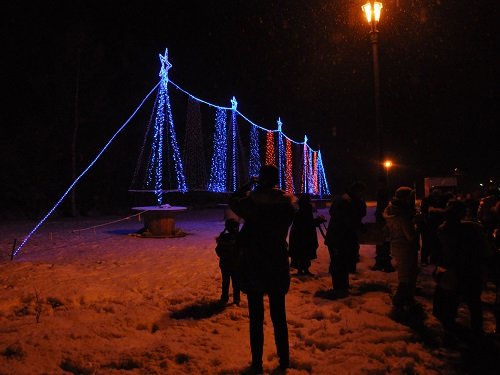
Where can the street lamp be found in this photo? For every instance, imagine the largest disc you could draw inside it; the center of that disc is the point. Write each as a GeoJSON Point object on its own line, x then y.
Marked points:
{"type": "Point", "coordinates": [372, 10]}
{"type": "Point", "coordinates": [387, 165]}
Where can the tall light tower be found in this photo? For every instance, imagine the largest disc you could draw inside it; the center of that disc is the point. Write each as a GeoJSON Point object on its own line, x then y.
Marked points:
{"type": "Point", "coordinates": [372, 10]}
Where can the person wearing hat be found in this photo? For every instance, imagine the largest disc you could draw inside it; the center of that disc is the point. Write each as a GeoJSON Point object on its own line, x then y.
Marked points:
{"type": "Point", "coordinates": [404, 244]}
{"type": "Point", "coordinates": [346, 213]}
{"type": "Point", "coordinates": [268, 213]}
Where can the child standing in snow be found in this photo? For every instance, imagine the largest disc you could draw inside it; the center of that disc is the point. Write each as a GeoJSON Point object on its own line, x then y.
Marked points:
{"type": "Point", "coordinates": [227, 251]}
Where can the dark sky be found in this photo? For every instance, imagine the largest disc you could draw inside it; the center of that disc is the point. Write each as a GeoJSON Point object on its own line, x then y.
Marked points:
{"type": "Point", "coordinates": [307, 61]}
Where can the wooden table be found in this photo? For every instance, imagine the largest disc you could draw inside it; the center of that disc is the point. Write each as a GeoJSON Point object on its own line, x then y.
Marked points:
{"type": "Point", "coordinates": [159, 221]}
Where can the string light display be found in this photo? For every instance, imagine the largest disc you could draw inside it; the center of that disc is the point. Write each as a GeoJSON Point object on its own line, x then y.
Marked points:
{"type": "Point", "coordinates": [288, 167]}
{"type": "Point", "coordinates": [163, 118]}
{"type": "Point", "coordinates": [234, 162]}
{"type": "Point", "coordinates": [281, 155]}
{"type": "Point", "coordinates": [270, 149]}
{"type": "Point", "coordinates": [323, 184]}
{"type": "Point", "coordinates": [68, 190]}
{"type": "Point", "coordinates": [307, 180]}
{"type": "Point", "coordinates": [218, 173]}
{"type": "Point", "coordinates": [161, 125]}
{"type": "Point", "coordinates": [254, 152]}
{"type": "Point", "coordinates": [310, 187]}
{"type": "Point", "coordinates": [315, 172]}
{"type": "Point", "coordinates": [305, 170]}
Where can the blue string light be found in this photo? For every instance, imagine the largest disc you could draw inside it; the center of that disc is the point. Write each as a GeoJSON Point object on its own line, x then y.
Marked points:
{"type": "Point", "coordinates": [254, 152]}
{"type": "Point", "coordinates": [218, 176]}
{"type": "Point", "coordinates": [163, 116]}
{"type": "Point", "coordinates": [234, 105]}
{"type": "Point", "coordinates": [281, 154]}
{"type": "Point", "coordinates": [21, 245]}
{"type": "Point", "coordinates": [310, 183]}
{"type": "Point", "coordinates": [324, 190]}
{"type": "Point", "coordinates": [155, 172]}
{"type": "Point", "coordinates": [179, 170]}
{"type": "Point", "coordinates": [218, 173]}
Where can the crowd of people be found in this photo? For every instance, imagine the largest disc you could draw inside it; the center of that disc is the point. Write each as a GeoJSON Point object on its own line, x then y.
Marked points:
{"type": "Point", "coordinates": [459, 235]}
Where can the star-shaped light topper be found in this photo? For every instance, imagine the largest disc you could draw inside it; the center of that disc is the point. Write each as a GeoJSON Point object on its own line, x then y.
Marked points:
{"type": "Point", "coordinates": [165, 64]}
{"type": "Point", "coordinates": [280, 124]}
{"type": "Point", "coordinates": [234, 103]}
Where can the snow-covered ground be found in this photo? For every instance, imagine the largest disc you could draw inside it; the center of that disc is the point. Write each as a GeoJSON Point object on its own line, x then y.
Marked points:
{"type": "Point", "coordinates": [103, 302]}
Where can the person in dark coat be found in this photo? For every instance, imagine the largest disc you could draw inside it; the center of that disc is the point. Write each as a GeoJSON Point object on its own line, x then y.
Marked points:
{"type": "Point", "coordinates": [228, 253]}
{"type": "Point", "coordinates": [432, 210]}
{"type": "Point", "coordinates": [346, 214]}
{"type": "Point", "coordinates": [461, 268]}
{"type": "Point", "coordinates": [303, 237]}
{"type": "Point", "coordinates": [268, 213]}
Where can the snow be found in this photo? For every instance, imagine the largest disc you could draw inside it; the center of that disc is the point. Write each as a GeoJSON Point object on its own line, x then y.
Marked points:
{"type": "Point", "coordinates": [102, 302]}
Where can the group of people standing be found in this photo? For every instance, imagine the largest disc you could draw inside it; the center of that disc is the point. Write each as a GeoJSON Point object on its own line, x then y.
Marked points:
{"type": "Point", "coordinates": [256, 259]}
{"type": "Point", "coordinates": [455, 235]}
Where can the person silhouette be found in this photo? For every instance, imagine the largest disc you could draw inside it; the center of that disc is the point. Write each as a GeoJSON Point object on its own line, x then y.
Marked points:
{"type": "Point", "coordinates": [268, 213]}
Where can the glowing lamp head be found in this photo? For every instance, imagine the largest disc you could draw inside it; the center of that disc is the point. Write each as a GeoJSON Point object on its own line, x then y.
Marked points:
{"type": "Point", "coordinates": [372, 11]}
{"type": "Point", "coordinates": [387, 164]}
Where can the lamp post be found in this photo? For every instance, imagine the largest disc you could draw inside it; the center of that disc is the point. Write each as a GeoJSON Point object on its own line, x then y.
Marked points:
{"type": "Point", "coordinates": [372, 10]}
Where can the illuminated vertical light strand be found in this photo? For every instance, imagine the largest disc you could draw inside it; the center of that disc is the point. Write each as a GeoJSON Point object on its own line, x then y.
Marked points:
{"type": "Point", "coordinates": [218, 172]}
{"type": "Point", "coordinates": [234, 105]}
{"type": "Point", "coordinates": [324, 189]}
{"type": "Point", "coordinates": [305, 171]}
{"type": "Point", "coordinates": [281, 155]}
{"type": "Point", "coordinates": [315, 172]}
{"type": "Point", "coordinates": [270, 149]}
{"type": "Point", "coordinates": [310, 186]}
{"type": "Point", "coordinates": [179, 169]}
{"type": "Point", "coordinates": [155, 171]}
{"type": "Point", "coordinates": [254, 152]}
{"type": "Point", "coordinates": [288, 167]}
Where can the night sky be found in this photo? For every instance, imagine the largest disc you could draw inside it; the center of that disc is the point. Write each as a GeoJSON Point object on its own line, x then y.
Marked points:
{"type": "Point", "coordinates": [308, 62]}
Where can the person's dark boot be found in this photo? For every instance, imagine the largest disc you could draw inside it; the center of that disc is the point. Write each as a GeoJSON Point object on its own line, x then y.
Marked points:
{"type": "Point", "coordinates": [403, 296]}
{"type": "Point", "coordinates": [284, 363]}
{"type": "Point", "coordinates": [388, 268]}
{"type": "Point", "coordinates": [256, 368]}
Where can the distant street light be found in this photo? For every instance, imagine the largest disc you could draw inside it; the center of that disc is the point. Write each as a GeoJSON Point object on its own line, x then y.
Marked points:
{"type": "Point", "coordinates": [372, 10]}
{"type": "Point", "coordinates": [387, 165]}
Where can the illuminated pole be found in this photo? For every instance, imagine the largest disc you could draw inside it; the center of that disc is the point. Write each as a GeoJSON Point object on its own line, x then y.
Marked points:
{"type": "Point", "coordinates": [372, 10]}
